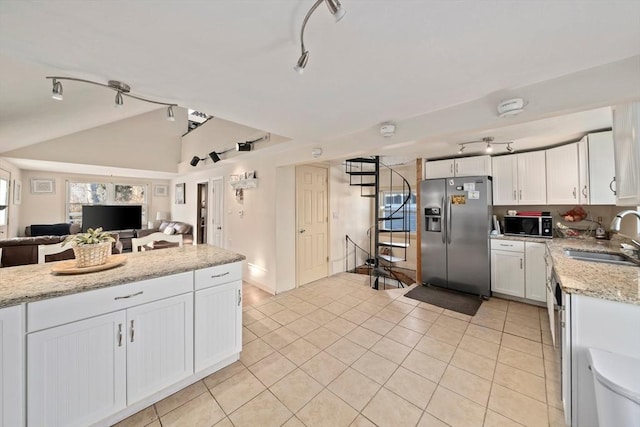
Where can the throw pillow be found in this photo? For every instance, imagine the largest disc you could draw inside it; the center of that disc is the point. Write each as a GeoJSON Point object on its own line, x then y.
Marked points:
{"type": "Point", "coordinates": [169, 230]}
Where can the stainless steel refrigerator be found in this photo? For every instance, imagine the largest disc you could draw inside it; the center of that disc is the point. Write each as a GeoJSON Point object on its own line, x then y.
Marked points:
{"type": "Point", "coordinates": [455, 233]}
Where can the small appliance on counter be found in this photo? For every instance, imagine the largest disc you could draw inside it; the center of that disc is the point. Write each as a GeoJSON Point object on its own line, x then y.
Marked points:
{"type": "Point", "coordinates": [532, 224]}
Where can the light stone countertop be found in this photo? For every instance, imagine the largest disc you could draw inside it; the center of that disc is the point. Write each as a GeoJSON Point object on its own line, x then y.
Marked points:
{"type": "Point", "coordinates": [595, 279]}
{"type": "Point", "coordinates": [29, 283]}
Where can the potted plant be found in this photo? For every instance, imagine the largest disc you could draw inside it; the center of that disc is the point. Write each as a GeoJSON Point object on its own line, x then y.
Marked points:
{"type": "Point", "coordinates": [91, 248]}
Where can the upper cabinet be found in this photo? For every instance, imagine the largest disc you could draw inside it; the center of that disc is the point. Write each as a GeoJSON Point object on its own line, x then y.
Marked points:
{"type": "Point", "coordinates": [602, 169]}
{"type": "Point", "coordinates": [626, 138]}
{"type": "Point", "coordinates": [563, 175]}
{"type": "Point", "coordinates": [464, 166]}
{"type": "Point", "coordinates": [519, 179]}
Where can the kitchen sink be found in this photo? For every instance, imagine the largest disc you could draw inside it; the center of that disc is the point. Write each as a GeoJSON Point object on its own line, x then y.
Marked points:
{"type": "Point", "coordinates": [606, 257]}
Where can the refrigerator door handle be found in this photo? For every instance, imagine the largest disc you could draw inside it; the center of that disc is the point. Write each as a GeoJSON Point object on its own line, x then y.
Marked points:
{"type": "Point", "coordinates": [449, 219]}
{"type": "Point", "coordinates": [443, 231]}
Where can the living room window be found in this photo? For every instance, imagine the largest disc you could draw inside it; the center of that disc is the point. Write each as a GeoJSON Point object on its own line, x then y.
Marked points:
{"type": "Point", "coordinates": [96, 193]}
{"type": "Point", "coordinates": [406, 218]}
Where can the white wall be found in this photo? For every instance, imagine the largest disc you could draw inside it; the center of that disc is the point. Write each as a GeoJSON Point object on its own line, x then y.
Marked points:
{"type": "Point", "coordinates": [51, 208]}
{"type": "Point", "coordinates": [14, 210]}
{"type": "Point", "coordinates": [147, 142]}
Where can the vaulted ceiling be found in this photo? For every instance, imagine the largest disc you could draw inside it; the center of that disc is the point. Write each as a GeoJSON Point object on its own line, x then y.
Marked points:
{"type": "Point", "coordinates": [386, 60]}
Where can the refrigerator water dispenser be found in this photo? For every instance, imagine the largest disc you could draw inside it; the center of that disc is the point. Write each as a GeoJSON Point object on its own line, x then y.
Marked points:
{"type": "Point", "coordinates": [432, 219]}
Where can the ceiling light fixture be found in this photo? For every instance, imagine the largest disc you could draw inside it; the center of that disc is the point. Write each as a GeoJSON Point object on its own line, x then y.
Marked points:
{"type": "Point", "coordinates": [120, 88]}
{"type": "Point", "coordinates": [511, 107]}
{"type": "Point", "coordinates": [56, 93]}
{"type": "Point", "coordinates": [338, 13]}
{"type": "Point", "coordinates": [488, 141]}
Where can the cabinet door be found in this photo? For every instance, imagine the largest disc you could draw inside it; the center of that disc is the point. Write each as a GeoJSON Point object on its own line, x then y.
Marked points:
{"type": "Point", "coordinates": [507, 273]}
{"type": "Point", "coordinates": [11, 367]}
{"type": "Point", "coordinates": [532, 182]}
{"type": "Point", "coordinates": [473, 166]}
{"type": "Point", "coordinates": [535, 272]}
{"type": "Point", "coordinates": [626, 128]}
{"type": "Point", "coordinates": [439, 169]}
{"type": "Point", "coordinates": [76, 372]}
{"type": "Point", "coordinates": [505, 180]}
{"type": "Point", "coordinates": [562, 175]}
{"type": "Point", "coordinates": [159, 345]}
{"type": "Point", "coordinates": [218, 324]}
{"type": "Point", "coordinates": [584, 195]}
{"type": "Point", "coordinates": [602, 168]}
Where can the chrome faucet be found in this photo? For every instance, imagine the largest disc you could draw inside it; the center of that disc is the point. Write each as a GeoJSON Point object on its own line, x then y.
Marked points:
{"type": "Point", "coordinates": [615, 224]}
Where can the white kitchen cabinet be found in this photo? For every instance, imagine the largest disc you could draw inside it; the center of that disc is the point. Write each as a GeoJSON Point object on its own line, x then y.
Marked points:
{"type": "Point", "coordinates": [218, 323]}
{"type": "Point", "coordinates": [464, 166]}
{"type": "Point", "coordinates": [11, 367]}
{"type": "Point", "coordinates": [535, 271]}
{"type": "Point", "coordinates": [77, 371]}
{"type": "Point", "coordinates": [507, 273]}
{"type": "Point", "coordinates": [159, 345]}
{"type": "Point", "coordinates": [626, 143]}
{"type": "Point", "coordinates": [602, 169]}
{"type": "Point", "coordinates": [519, 179]}
{"type": "Point", "coordinates": [563, 175]}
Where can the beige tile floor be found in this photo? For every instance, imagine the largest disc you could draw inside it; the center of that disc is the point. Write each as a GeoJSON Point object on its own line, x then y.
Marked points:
{"type": "Point", "coordinates": [336, 353]}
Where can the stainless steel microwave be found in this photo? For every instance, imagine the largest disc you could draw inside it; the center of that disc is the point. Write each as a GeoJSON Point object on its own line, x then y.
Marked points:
{"type": "Point", "coordinates": [534, 226]}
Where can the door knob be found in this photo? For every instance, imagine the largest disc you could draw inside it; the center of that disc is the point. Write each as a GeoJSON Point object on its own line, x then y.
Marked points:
{"type": "Point", "coordinates": [302, 230]}
{"type": "Point", "coordinates": [219, 228]}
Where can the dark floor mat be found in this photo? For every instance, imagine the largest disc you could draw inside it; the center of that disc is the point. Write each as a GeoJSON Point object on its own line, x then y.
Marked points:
{"type": "Point", "coordinates": [445, 298]}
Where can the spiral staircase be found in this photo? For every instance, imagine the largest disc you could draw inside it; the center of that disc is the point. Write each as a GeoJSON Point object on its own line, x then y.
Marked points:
{"type": "Point", "coordinates": [389, 234]}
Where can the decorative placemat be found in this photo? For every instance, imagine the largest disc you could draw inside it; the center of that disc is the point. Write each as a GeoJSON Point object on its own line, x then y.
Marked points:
{"type": "Point", "coordinates": [69, 267]}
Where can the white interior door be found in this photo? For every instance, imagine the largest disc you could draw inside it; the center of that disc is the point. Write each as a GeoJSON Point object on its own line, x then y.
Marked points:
{"type": "Point", "coordinates": [5, 178]}
{"type": "Point", "coordinates": [216, 207]}
{"type": "Point", "coordinates": [312, 221]}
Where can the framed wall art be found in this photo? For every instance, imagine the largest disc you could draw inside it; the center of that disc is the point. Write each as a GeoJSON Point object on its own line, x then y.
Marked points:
{"type": "Point", "coordinates": [43, 185]}
{"type": "Point", "coordinates": [180, 198]}
{"type": "Point", "coordinates": [161, 190]}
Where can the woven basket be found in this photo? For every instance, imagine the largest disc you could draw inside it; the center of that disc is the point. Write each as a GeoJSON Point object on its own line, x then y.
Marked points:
{"type": "Point", "coordinates": [90, 255]}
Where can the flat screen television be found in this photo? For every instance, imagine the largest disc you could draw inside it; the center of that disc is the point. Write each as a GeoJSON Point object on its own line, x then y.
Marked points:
{"type": "Point", "coordinates": [112, 217]}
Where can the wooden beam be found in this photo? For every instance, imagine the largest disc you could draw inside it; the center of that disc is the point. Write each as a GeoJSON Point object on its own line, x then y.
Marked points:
{"type": "Point", "coordinates": [419, 219]}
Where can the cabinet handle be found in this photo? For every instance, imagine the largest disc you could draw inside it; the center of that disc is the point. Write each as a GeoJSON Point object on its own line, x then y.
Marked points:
{"type": "Point", "coordinates": [119, 334]}
{"type": "Point", "coordinates": [520, 194]}
{"type": "Point", "coordinates": [239, 297]}
{"type": "Point", "coordinates": [133, 331]}
{"type": "Point", "coordinates": [219, 275]}
{"type": "Point", "coordinates": [502, 244]}
{"type": "Point", "coordinates": [451, 167]}
{"type": "Point", "coordinates": [129, 296]}
{"type": "Point", "coordinates": [520, 263]}
{"type": "Point", "coordinates": [456, 168]}
{"type": "Point", "coordinates": [611, 186]}
{"type": "Point", "coordinates": [584, 192]}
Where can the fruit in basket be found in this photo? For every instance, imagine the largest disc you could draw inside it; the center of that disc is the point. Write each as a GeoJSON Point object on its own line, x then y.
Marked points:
{"type": "Point", "coordinates": [575, 214]}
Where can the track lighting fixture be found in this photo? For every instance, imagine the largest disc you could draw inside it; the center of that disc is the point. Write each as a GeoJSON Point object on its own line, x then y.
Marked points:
{"type": "Point", "coordinates": [338, 13]}
{"type": "Point", "coordinates": [240, 146]}
{"type": "Point", "coordinates": [195, 160]}
{"type": "Point", "coordinates": [57, 90]}
{"type": "Point", "coordinates": [119, 87]}
{"type": "Point", "coordinates": [243, 146]}
{"type": "Point", "coordinates": [214, 156]}
{"type": "Point", "coordinates": [119, 101]}
{"type": "Point", "coordinates": [489, 143]}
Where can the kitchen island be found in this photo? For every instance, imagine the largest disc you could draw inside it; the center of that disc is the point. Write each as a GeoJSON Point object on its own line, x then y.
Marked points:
{"type": "Point", "coordinates": [100, 346]}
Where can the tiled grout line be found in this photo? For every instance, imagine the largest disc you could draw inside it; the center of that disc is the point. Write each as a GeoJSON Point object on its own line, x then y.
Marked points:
{"type": "Point", "coordinates": [411, 347]}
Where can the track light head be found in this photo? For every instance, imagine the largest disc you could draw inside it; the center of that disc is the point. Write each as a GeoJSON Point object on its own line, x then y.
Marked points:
{"type": "Point", "coordinates": [194, 161]}
{"type": "Point", "coordinates": [336, 9]}
{"type": "Point", "coordinates": [119, 101]}
{"type": "Point", "coordinates": [461, 149]}
{"type": "Point", "coordinates": [489, 148]}
{"type": "Point", "coordinates": [170, 116]}
{"type": "Point", "coordinates": [214, 156]}
{"type": "Point", "coordinates": [243, 146]}
{"type": "Point", "coordinates": [56, 93]}
{"type": "Point", "coordinates": [509, 148]}
{"type": "Point", "coordinates": [302, 62]}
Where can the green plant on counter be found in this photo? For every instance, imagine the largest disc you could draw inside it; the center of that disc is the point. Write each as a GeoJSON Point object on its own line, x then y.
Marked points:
{"type": "Point", "coordinates": [91, 237]}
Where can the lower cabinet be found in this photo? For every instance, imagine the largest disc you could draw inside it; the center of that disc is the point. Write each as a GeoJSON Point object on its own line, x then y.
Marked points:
{"type": "Point", "coordinates": [518, 269]}
{"type": "Point", "coordinates": [11, 367]}
{"type": "Point", "coordinates": [218, 323]}
{"type": "Point", "coordinates": [84, 371]}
